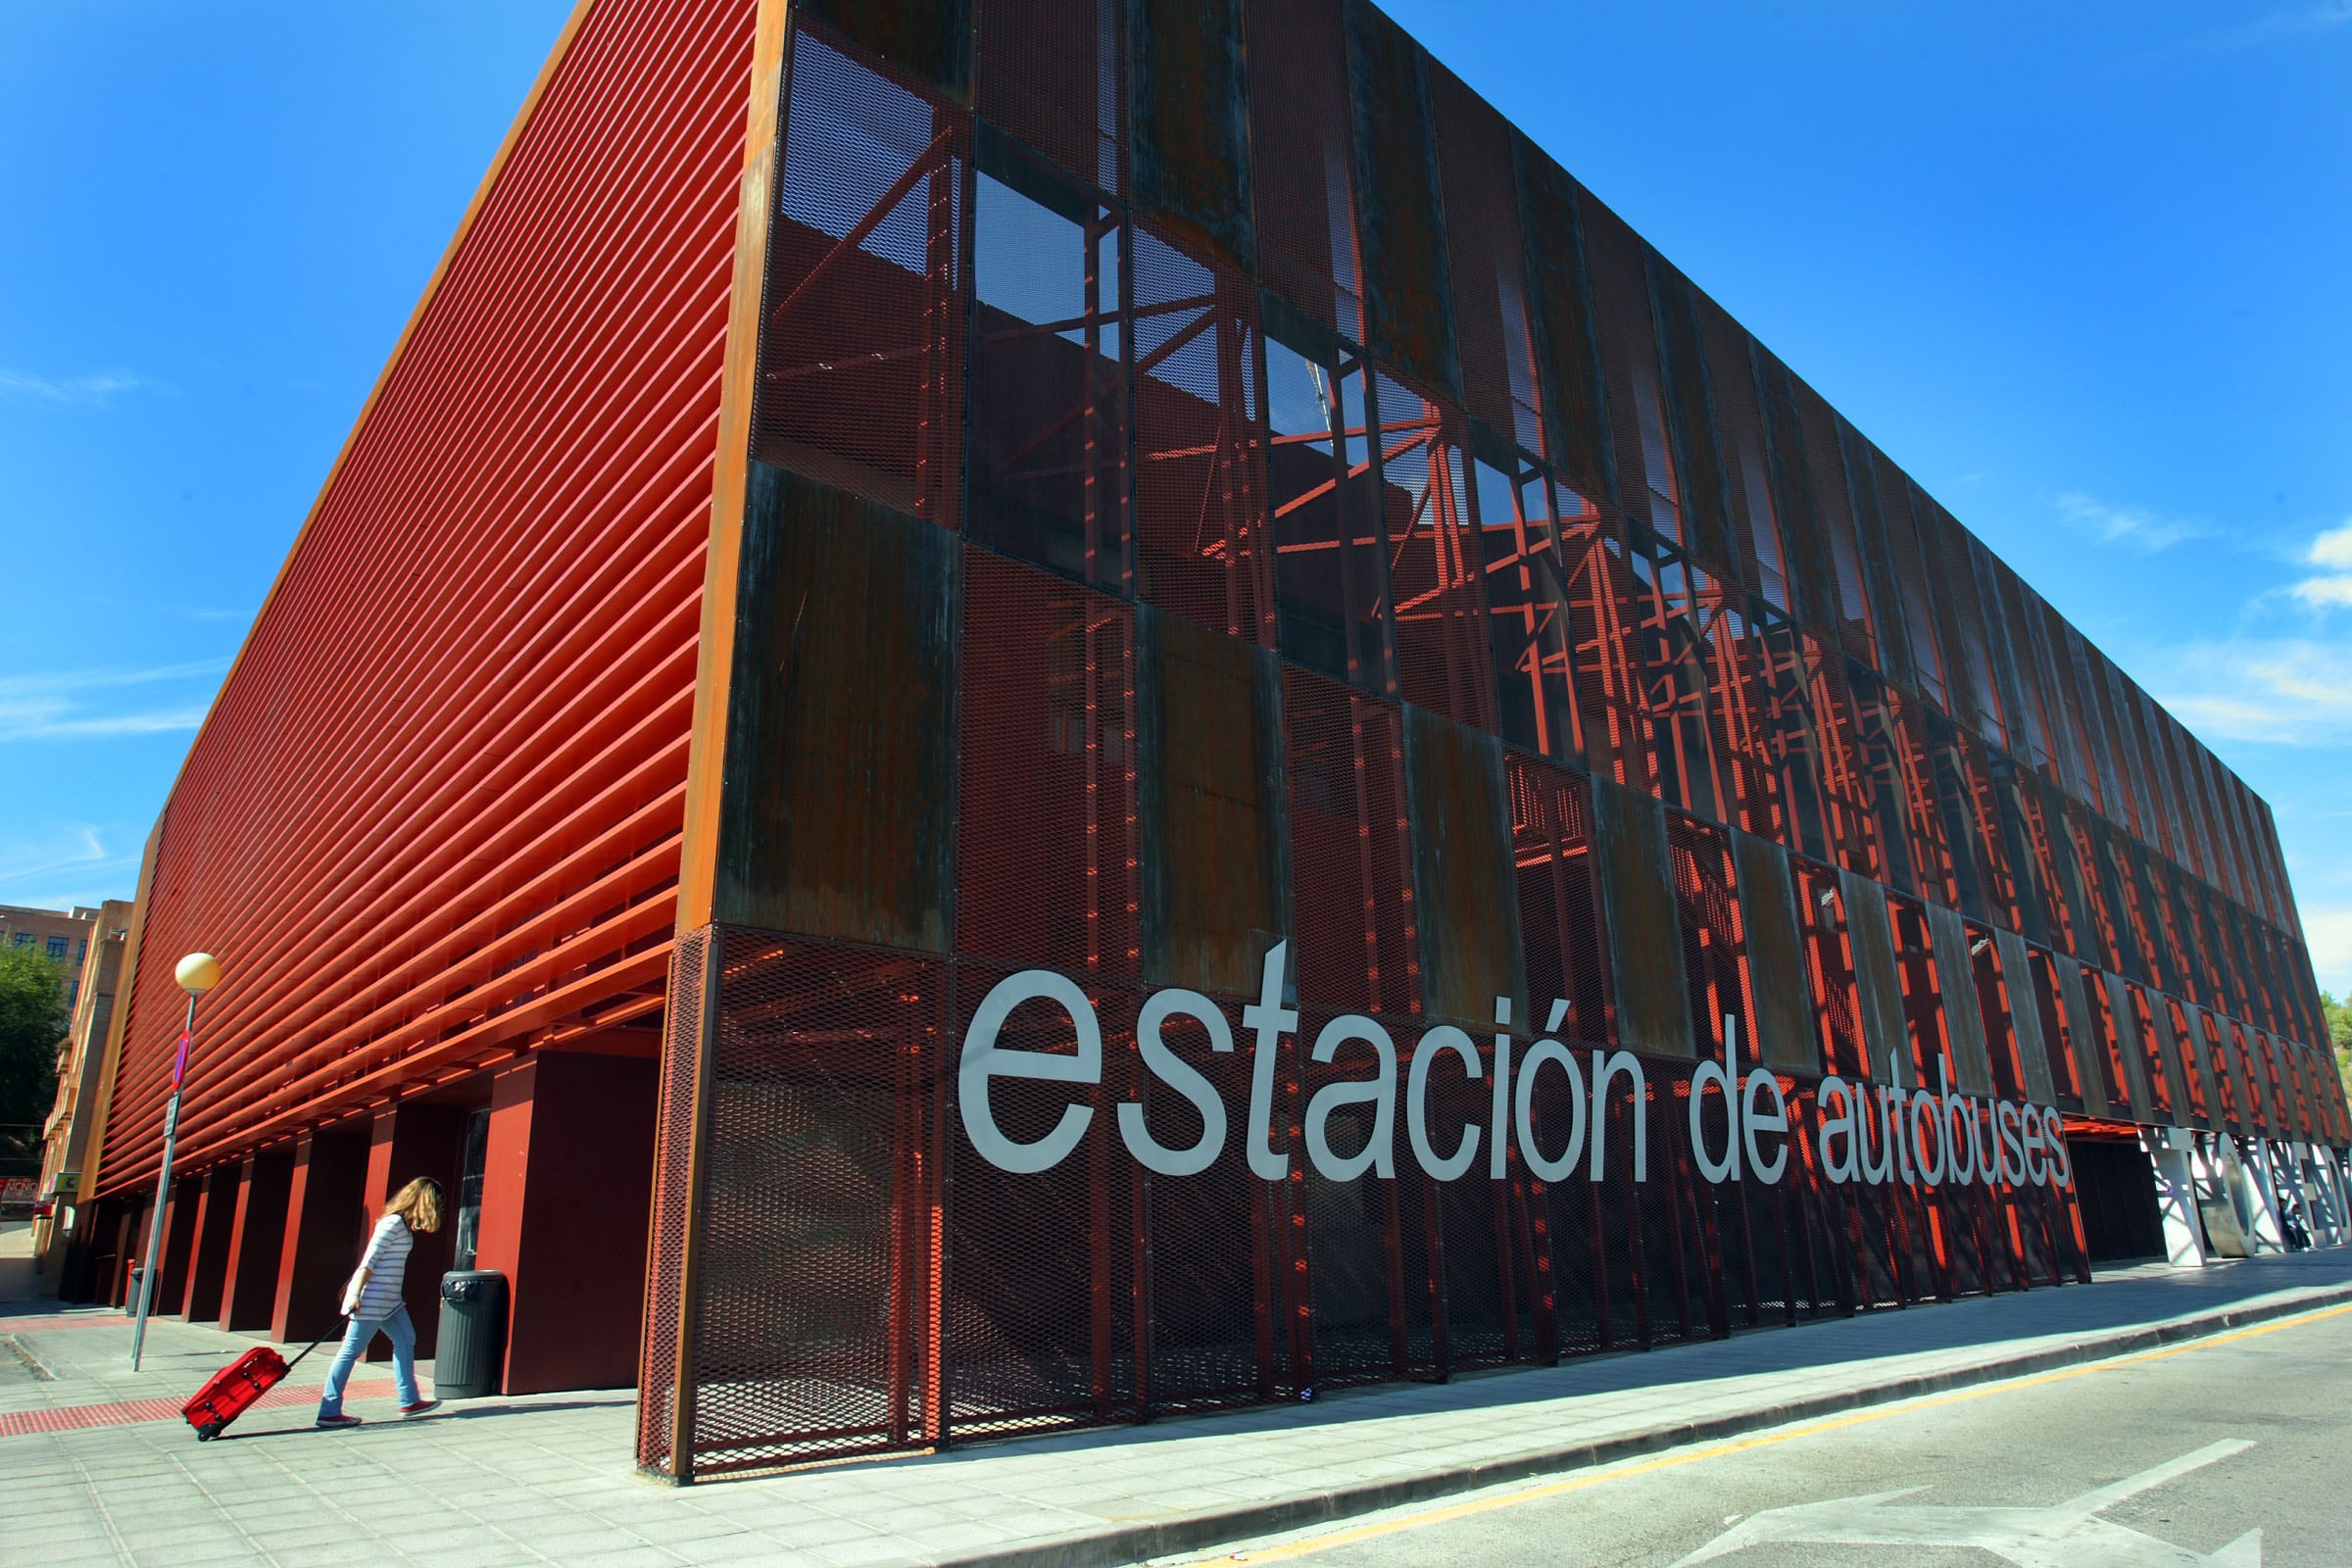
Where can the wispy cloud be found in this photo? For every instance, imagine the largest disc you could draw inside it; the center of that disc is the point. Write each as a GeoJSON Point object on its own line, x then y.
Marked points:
{"type": "Point", "coordinates": [2330, 587]}
{"type": "Point", "coordinates": [59, 864]}
{"type": "Point", "coordinates": [75, 389]}
{"type": "Point", "coordinates": [2280, 691]}
{"type": "Point", "coordinates": [2134, 527]}
{"type": "Point", "coordinates": [59, 704]}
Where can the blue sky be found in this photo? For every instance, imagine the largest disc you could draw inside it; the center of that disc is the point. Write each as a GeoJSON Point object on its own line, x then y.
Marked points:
{"type": "Point", "coordinates": [2079, 269]}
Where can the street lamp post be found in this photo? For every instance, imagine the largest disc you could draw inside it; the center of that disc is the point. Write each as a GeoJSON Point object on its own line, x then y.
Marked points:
{"type": "Point", "coordinates": [196, 974]}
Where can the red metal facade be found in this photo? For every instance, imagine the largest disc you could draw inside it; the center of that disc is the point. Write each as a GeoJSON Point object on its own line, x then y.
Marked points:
{"type": "Point", "coordinates": [1317, 520]}
{"type": "Point", "coordinates": [433, 819]}
{"type": "Point", "coordinates": [1196, 481]}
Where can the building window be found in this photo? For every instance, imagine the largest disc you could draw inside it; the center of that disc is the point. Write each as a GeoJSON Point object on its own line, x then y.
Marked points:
{"type": "Point", "coordinates": [24, 939]}
{"type": "Point", "coordinates": [57, 947]}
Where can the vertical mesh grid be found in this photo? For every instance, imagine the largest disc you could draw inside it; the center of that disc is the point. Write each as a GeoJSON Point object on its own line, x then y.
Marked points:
{"type": "Point", "coordinates": [1766, 624]}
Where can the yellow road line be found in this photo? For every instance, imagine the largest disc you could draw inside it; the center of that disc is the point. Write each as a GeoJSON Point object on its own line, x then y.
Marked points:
{"type": "Point", "coordinates": [1713, 1451]}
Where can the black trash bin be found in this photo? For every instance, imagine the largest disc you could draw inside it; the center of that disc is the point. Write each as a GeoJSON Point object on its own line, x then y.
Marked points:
{"type": "Point", "coordinates": [473, 1334]}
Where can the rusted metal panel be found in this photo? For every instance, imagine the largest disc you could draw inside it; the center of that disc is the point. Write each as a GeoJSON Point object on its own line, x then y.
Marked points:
{"type": "Point", "coordinates": [1955, 972]}
{"type": "Point", "coordinates": [2177, 1071]}
{"type": "Point", "coordinates": [2089, 1065]}
{"type": "Point", "coordinates": [1464, 885]}
{"type": "Point", "coordinates": [1189, 123]}
{"type": "Point", "coordinates": [1559, 301]}
{"type": "Point", "coordinates": [839, 815]}
{"type": "Point", "coordinates": [931, 40]}
{"type": "Point", "coordinates": [1636, 889]}
{"type": "Point", "coordinates": [1702, 486]}
{"type": "Point", "coordinates": [2025, 1016]}
{"type": "Point", "coordinates": [2131, 1047]}
{"type": "Point", "coordinates": [1813, 596]}
{"type": "Point", "coordinates": [1408, 309]}
{"type": "Point", "coordinates": [1211, 836]}
{"type": "Point", "coordinates": [1776, 959]}
{"type": "Point", "coordinates": [706, 771]}
{"type": "Point", "coordinates": [1874, 976]}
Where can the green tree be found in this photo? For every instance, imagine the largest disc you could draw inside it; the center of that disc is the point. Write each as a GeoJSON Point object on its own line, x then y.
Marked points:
{"type": "Point", "coordinates": [32, 1021]}
{"type": "Point", "coordinates": [2339, 1037]}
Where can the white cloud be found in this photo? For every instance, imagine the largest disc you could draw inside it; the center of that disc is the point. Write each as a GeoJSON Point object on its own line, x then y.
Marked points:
{"type": "Point", "coordinates": [2132, 526]}
{"type": "Point", "coordinates": [64, 863]}
{"type": "Point", "coordinates": [56, 705]}
{"type": "Point", "coordinates": [2331, 586]}
{"type": "Point", "coordinates": [75, 389]}
{"type": "Point", "coordinates": [2284, 691]}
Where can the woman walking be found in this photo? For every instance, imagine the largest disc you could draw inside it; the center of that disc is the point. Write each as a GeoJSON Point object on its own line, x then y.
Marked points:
{"type": "Point", "coordinates": [372, 1302]}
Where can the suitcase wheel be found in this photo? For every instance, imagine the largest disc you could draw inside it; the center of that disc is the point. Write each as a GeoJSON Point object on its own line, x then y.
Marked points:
{"type": "Point", "coordinates": [208, 1432]}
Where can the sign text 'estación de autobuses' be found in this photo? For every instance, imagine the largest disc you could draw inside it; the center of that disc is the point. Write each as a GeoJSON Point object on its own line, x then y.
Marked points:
{"type": "Point", "coordinates": [1868, 1133]}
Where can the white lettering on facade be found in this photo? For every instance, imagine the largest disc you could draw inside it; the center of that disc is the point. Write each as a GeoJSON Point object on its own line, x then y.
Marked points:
{"type": "Point", "coordinates": [1865, 1133]}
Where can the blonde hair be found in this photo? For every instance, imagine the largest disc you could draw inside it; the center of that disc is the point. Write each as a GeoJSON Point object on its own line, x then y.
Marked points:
{"type": "Point", "coordinates": [418, 1205]}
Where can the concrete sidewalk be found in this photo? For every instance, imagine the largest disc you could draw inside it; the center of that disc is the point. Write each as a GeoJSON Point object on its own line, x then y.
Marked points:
{"type": "Point", "coordinates": [549, 1479]}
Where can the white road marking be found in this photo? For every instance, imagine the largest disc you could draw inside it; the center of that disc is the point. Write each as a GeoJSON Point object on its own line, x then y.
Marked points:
{"type": "Point", "coordinates": [2067, 1535]}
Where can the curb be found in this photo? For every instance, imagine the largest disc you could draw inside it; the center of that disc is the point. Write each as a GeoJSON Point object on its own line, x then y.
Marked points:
{"type": "Point", "coordinates": [1140, 1543]}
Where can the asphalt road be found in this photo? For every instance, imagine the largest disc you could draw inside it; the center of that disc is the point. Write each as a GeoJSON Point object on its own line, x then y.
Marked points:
{"type": "Point", "coordinates": [2175, 1458]}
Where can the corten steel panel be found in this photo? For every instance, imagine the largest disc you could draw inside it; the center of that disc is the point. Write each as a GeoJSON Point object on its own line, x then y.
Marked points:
{"type": "Point", "coordinates": [1047, 406]}
{"type": "Point", "coordinates": [1955, 968]}
{"type": "Point", "coordinates": [1921, 986]}
{"type": "Point", "coordinates": [2246, 1070]}
{"type": "Point", "coordinates": [1832, 994]}
{"type": "Point", "coordinates": [1564, 946]}
{"type": "Point", "coordinates": [1046, 868]}
{"type": "Point", "coordinates": [1463, 884]}
{"type": "Point", "coordinates": [1700, 480]}
{"type": "Point", "coordinates": [484, 636]}
{"type": "Point", "coordinates": [1485, 259]}
{"type": "Point", "coordinates": [1302, 161]}
{"type": "Point", "coordinates": [930, 41]}
{"type": "Point", "coordinates": [2125, 1046]}
{"type": "Point", "coordinates": [2025, 1016]}
{"type": "Point", "coordinates": [1408, 308]}
{"type": "Point", "coordinates": [1212, 792]}
{"type": "Point", "coordinates": [2224, 1083]}
{"type": "Point", "coordinates": [1758, 539]}
{"type": "Point", "coordinates": [861, 342]}
{"type": "Point", "coordinates": [1776, 959]}
{"type": "Point", "coordinates": [836, 818]}
{"type": "Point", "coordinates": [1567, 344]}
{"type": "Point", "coordinates": [1876, 565]}
{"type": "Point", "coordinates": [1872, 944]}
{"type": "Point", "coordinates": [1332, 602]}
{"type": "Point", "coordinates": [2184, 1058]}
{"type": "Point", "coordinates": [1715, 954]}
{"type": "Point", "coordinates": [1636, 889]}
{"type": "Point", "coordinates": [1189, 123]}
{"type": "Point", "coordinates": [1204, 549]}
{"type": "Point", "coordinates": [1352, 903]}
{"type": "Point", "coordinates": [1049, 72]}
{"type": "Point", "coordinates": [1812, 578]}
{"type": "Point", "coordinates": [1435, 558]}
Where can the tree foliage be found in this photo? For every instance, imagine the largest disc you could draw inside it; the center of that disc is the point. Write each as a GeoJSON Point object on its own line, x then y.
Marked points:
{"type": "Point", "coordinates": [32, 1023]}
{"type": "Point", "coordinates": [2340, 1036]}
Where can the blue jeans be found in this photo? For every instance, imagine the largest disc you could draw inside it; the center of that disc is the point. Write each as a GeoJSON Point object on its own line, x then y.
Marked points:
{"type": "Point", "coordinates": [403, 1335]}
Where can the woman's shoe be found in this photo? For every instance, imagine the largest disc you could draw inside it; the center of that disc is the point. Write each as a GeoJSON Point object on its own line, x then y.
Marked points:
{"type": "Point", "coordinates": [338, 1421]}
{"type": "Point", "coordinates": [421, 1407]}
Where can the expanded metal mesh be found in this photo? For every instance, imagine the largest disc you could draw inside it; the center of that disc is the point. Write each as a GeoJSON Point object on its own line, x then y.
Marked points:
{"type": "Point", "coordinates": [993, 304]}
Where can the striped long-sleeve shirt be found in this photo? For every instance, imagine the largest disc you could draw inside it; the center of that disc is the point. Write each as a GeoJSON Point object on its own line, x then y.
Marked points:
{"type": "Point", "coordinates": [387, 1262]}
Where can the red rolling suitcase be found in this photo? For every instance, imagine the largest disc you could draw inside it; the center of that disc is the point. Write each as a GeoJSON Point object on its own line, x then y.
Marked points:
{"type": "Point", "coordinates": [233, 1390]}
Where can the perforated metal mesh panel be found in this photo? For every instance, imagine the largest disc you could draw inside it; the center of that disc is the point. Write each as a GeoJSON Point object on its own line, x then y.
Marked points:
{"type": "Point", "coordinates": [1322, 358]}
